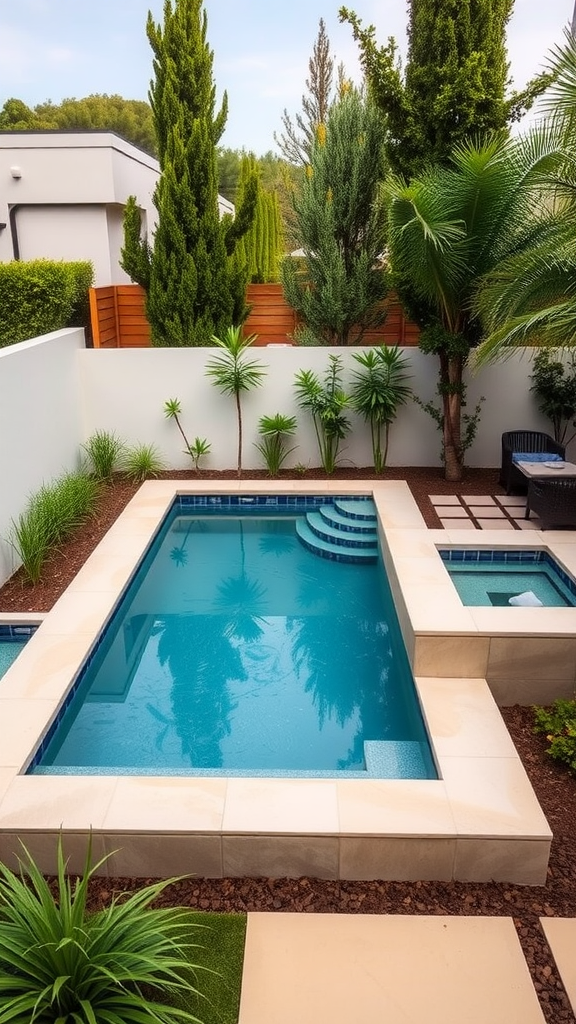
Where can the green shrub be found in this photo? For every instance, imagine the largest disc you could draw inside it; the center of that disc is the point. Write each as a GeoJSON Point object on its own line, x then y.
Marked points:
{"type": "Point", "coordinates": [559, 724]}
{"type": "Point", "coordinates": [274, 430]}
{"type": "Point", "coordinates": [40, 296]}
{"type": "Point", "coordinates": [49, 517]}
{"type": "Point", "coordinates": [141, 462]}
{"type": "Point", "coordinates": [104, 451]}
{"type": "Point", "coordinates": [61, 963]}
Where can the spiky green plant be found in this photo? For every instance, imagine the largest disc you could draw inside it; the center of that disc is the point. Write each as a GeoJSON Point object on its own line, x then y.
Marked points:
{"type": "Point", "coordinates": [48, 519]}
{"type": "Point", "coordinates": [378, 390]}
{"type": "Point", "coordinates": [326, 401]}
{"type": "Point", "coordinates": [103, 449]}
{"type": "Point", "coordinates": [198, 449]}
{"type": "Point", "coordinates": [274, 430]}
{"type": "Point", "coordinates": [233, 373]}
{"type": "Point", "coordinates": [141, 462]}
{"type": "Point", "coordinates": [62, 964]}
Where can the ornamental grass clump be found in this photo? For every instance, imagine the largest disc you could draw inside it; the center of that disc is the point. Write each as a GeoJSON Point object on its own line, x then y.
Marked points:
{"type": "Point", "coordinates": [141, 462]}
{"type": "Point", "coordinates": [103, 449]}
{"type": "Point", "coordinates": [63, 964]}
{"type": "Point", "coordinates": [49, 518]}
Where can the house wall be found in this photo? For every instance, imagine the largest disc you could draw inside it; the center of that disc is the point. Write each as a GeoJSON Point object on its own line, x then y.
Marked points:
{"type": "Point", "coordinates": [68, 198]}
{"type": "Point", "coordinates": [68, 201]}
{"type": "Point", "coordinates": [41, 426]}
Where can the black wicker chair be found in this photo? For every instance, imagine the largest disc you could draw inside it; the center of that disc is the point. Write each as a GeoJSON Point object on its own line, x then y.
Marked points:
{"type": "Point", "coordinates": [532, 441]}
{"type": "Point", "coordinates": [554, 501]}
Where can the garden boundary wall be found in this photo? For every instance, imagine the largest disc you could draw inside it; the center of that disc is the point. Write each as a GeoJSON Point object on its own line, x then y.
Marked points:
{"type": "Point", "coordinates": [118, 318]}
{"type": "Point", "coordinates": [55, 393]}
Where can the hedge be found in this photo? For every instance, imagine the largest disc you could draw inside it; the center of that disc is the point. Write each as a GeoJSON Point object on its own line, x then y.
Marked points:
{"type": "Point", "coordinates": [40, 296]}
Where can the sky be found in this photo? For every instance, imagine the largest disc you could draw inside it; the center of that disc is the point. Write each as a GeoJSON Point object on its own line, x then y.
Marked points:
{"type": "Point", "coordinates": [54, 49]}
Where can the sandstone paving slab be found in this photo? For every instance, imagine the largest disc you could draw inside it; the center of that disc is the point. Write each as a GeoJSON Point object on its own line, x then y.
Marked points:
{"type": "Point", "coordinates": [560, 934]}
{"type": "Point", "coordinates": [370, 967]}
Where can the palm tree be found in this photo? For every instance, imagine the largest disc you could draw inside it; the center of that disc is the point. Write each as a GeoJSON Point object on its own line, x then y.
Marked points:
{"type": "Point", "coordinates": [232, 373]}
{"type": "Point", "coordinates": [447, 230]}
{"type": "Point", "coordinates": [531, 297]}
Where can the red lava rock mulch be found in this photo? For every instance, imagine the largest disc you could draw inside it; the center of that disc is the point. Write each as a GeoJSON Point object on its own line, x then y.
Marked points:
{"type": "Point", "coordinates": [554, 787]}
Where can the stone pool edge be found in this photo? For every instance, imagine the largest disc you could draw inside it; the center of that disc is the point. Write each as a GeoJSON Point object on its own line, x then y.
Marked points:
{"type": "Point", "coordinates": [480, 821]}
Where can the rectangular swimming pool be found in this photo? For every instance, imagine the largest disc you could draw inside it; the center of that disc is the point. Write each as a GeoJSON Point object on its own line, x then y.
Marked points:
{"type": "Point", "coordinates": [237, 650]}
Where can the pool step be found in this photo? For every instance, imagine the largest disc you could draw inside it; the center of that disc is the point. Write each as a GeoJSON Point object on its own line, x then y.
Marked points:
{"type": "Point", "coordinates": [345, 531]}
{"type": "Point", "coordinates": [335, 551]}
{"type": "Point", "coordinates": [362, 508]}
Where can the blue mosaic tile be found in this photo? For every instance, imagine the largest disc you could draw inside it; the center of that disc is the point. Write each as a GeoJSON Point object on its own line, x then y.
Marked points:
{"type": "Point", "coordinates": [16, 632]}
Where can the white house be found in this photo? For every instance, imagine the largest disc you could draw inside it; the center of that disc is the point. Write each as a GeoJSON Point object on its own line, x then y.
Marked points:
{"type": "Point", "coordinates": [62, 196]}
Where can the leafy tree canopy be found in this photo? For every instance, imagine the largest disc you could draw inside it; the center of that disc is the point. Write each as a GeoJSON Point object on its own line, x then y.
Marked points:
{"type": "Point", "coordinates": [455, 83]}
{"type": "Point", "coordinates": [132, 119]}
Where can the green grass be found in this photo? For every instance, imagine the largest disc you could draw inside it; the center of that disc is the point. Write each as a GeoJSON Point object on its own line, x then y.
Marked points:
{"type": "Point", "coordinates": [220, 949]}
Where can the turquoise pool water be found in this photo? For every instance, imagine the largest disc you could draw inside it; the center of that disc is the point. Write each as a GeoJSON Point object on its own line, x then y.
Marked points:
{"type": "Point", "coordinates": [9, 651]}
{"type": "Point", "coordinates": [505, 578]}
{"type": "Point", "coordinates": [13, 639]}
{"type": "Point", "coordinates": [236, 650]}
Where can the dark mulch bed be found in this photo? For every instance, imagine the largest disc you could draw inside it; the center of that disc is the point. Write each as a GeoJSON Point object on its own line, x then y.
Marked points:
{"type": "Point", "coordinates": [554, 787]}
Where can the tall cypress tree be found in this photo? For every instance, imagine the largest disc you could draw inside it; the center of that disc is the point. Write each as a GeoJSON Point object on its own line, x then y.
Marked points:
{"type": "Point", "coordinates": [261, 248]}
{"type": "Point", "coordinates": [455, 81]}
{"type": "Point", "coordinates": [195, 290]}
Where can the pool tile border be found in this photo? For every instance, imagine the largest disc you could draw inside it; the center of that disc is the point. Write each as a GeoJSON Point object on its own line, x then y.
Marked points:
{"type": "Point", "coordinates": [495, 829]}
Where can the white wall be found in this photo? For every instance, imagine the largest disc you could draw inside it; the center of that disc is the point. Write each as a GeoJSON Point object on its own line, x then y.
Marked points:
{"type": "Point", "coordinates": [40, 422]}
{"type": "Point", "coordinates": [125, 391]}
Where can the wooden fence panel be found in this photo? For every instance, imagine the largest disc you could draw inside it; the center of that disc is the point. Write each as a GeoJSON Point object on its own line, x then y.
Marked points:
{"type": "Point", "coordinates": [119, 320]}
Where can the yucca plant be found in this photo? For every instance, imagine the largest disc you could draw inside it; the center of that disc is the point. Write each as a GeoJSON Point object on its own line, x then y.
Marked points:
{"type": "Point", "coordinates": [274, 430]}
{"type": "Point", "coordinates": [103, 450]}
{"type": "Point", "coordinates": [141, 462]}
{"type": "Point", "coordinates": [62, 964]}
{"type": "Point", "coordinates": [326, 401]}
{"type": "Point", "coordinates": [378, 390]}
{"type": "Point", "coordinates": [233, 373]}
{"type": "Point", "coordinates": [200, 446]}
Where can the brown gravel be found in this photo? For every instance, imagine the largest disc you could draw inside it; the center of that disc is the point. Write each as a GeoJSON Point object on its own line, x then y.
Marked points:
{"type": "Point", "coordinates": [554, 787]}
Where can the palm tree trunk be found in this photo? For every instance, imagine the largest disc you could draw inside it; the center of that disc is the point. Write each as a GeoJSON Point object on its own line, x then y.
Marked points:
{"type": "Point", "coordinates": [451, 388]}
{"type": "Point", "coordinates": [239, 414]}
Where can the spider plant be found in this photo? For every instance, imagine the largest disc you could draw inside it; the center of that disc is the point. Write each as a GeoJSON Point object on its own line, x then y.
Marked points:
{"type": "Point", "coordinates": [274, 430]}
{"type": "Point", "coordinates": [62, 964]}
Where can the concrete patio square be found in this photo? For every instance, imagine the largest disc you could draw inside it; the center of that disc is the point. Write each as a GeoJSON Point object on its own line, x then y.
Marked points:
{"type": "Point", "coordinates": [312, 968]}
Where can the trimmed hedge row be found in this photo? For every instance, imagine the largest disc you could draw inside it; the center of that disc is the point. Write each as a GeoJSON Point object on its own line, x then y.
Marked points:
{"type": "Point", "coordinates": [40, 296]}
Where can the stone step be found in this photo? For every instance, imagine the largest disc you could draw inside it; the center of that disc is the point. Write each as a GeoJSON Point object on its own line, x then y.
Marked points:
{"type": "Point", "coordinates": [329, 513]}
{"type": "Point", "coordinates": [334, 552]}
{"type": "Point", "coordinates": [362, 508]}
{"type": "Point", "coordinates": [335, 535]}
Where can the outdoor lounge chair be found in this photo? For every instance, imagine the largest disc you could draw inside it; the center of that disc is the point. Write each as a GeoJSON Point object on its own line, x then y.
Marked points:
{"type": "Point", "coordinates": [554, 501]}
{"type": "Point", "coordinates": [516, 442]}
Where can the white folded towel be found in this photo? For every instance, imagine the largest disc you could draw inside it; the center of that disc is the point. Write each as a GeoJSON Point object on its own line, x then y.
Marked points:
{"type": "Point", "coordinates": [528, 599]}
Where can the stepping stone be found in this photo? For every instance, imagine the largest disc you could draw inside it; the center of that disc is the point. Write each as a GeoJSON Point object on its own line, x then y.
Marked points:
{"type": "Point", "coordinates": [495, 524]}
{"type": "Point", "coordinates": [529, 524]}
{"type": "Point", "coordinates": [486, 511]}
{"type": "Point", "coordinates": [444, 499]}
{"type": "Point", "coordinates": [560, 934]}
{"type": "Point", "coordinates": [478, 499]}
{"type": "Point", "coordinates": [311, 968]}
{"type": "Point", "coordinates": [454, 511]}
{"type": "Point", "coordinates": [510, 500]}
{"type": "Point", "coordinates": [457, 524]}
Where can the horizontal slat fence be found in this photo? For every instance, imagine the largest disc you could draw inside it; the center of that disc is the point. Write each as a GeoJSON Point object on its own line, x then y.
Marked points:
{"type": "Point", "coordinates": [119, 320]}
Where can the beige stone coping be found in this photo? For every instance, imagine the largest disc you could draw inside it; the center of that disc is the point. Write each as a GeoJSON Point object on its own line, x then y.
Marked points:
{"type": "Point", "coordinates": [344, 967]}
{"type": "Point", "coordinates": [560, 934]}
{"type": "Point", "coordinates": [480, 820]}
